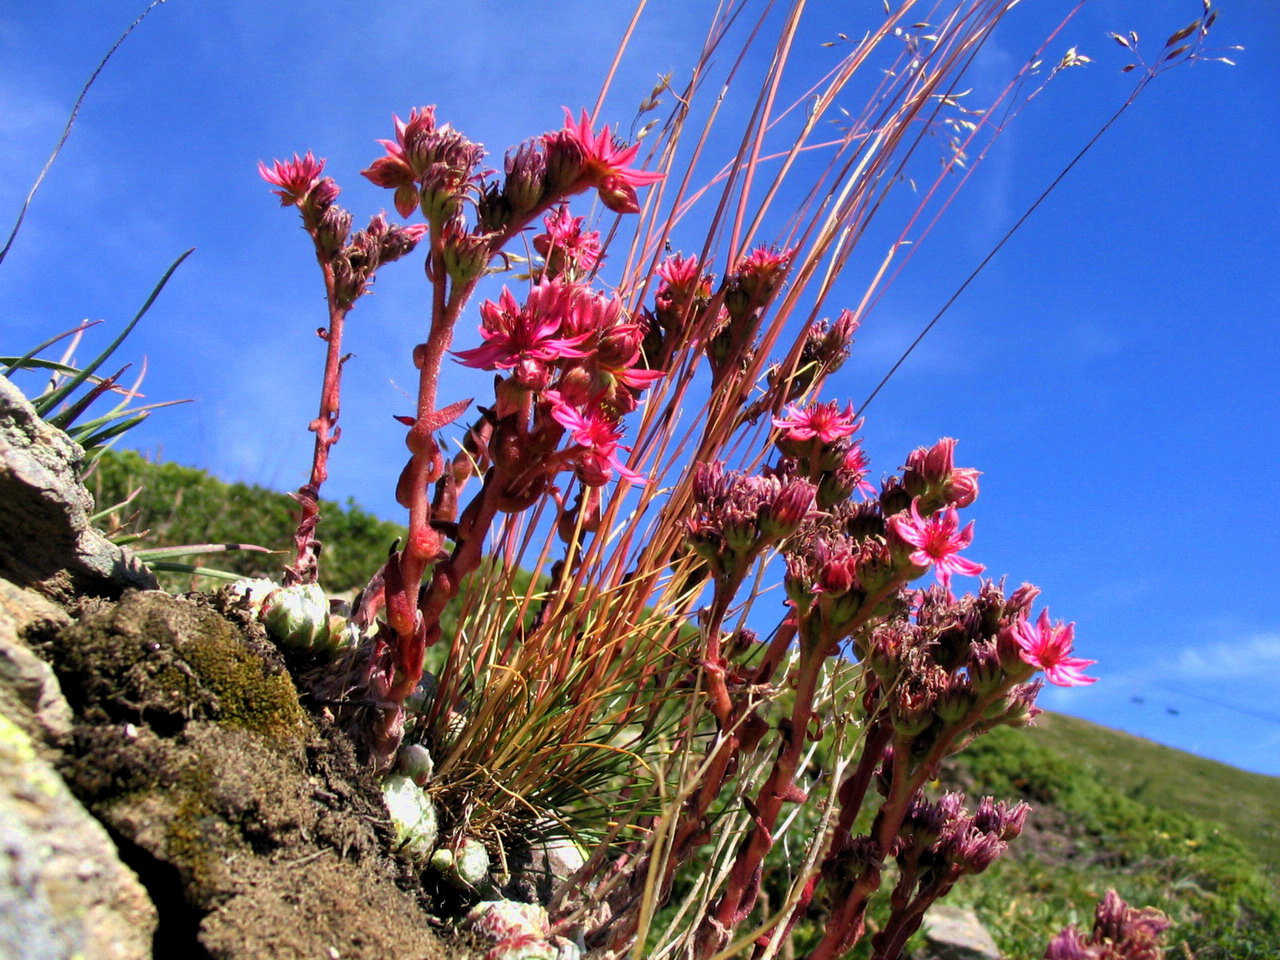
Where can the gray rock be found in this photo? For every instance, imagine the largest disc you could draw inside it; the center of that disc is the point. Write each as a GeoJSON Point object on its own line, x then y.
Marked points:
{"type": "Point", "coordinates": [63, 891]}
{"type": "Point", "coordinates": [46, 541]}
{"type": "Point", "coordinates": [954, 933]}
{"type": "Point", "coordinates": [29, 692]}
{"type": "Point", "coordinates": [538, 873]}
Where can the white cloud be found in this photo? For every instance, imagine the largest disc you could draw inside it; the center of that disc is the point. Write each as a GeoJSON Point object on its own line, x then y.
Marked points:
{"type": "Point", "coordinates": [1253, 657]}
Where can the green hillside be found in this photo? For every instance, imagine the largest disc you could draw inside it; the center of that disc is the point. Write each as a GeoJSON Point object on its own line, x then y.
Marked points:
{"type": "Point", "coordinates": [183, 505]}
{"type": "Point", "coordinates": [1246, 804]}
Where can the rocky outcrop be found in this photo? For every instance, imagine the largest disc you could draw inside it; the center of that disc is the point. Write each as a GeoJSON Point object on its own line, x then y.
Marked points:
{"type": "Point", "coordinates": [46, 541]}
{"type": "Point", "coordinates": [63, 890]}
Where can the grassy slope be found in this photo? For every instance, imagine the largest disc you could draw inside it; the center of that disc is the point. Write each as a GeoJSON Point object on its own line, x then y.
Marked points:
{"type": "Point", "coordinates": [1088, 831]}
{"type": "Point", "coordinates": [1247, 804]}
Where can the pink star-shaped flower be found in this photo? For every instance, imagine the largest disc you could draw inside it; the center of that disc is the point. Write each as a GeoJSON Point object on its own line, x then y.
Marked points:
{"type": "Point", "coordinates": [598, 435]}
{"type": "Point", "coordinates": [566, 242]}
{"type": "Point", "coordinates": [605, 165]}
{"type": "Point", "coordinates": [1047, 646]}
{"type": "Point", "coordinates": [822, 420]}
{"type": "Point", "coordinates": [938, 540]}
{"type": "Point", "coordinates": [295, 177]}
{"type": "Point", "coordinates": [524, 339]}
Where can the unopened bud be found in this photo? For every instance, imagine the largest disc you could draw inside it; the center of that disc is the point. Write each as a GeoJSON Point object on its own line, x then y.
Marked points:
{"type": "Point", "coordinates": [331, 234]}
{"type": "Point", "coordinates": [526, 176]}
{"type": "Point", "coordinates": [955, 703]}
{"type": "Point", "coordinates": [466, 256]}
{"type": "Point", "coordinates": [414, 761]}
{"type": "Point", "coordinates": [564, 162]}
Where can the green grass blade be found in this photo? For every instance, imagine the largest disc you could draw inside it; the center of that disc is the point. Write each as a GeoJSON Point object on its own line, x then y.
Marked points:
{"type": "Point", "coordinates": [102, 436]}
{"type": "Point", "coordinates": [166, 566]}
{"type": "Point", "coordinates": [195, 549]}
{"type": "Point", "coordinates": [64, 418]}
{"type": "Point", "coordinates": [92, 426]}
{"type": "Point", "coordinates": [47, 402]}
{"type": "Point", "coordinates": [28, 359]}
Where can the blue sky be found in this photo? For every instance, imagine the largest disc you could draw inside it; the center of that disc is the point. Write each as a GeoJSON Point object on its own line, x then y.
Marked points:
{"type": "Point", "coordinates": [1112, 372]}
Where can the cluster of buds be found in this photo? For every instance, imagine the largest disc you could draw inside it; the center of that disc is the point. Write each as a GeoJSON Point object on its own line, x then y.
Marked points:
{"type": "Point", "coordinates": [749, 288]}
{"type": "Point", "coordinates": [355, 264]}
{"type": "Point", "coordinates": [930, 476]}
{"type": "Point", "coordinates": [938, 842]}
{"type": "Point", "coordinates": [353, 260]}
{"type": "Point", "coordinates": [430, 168]}
{"type": "Point", "coordinates": [1120, 932]}
{"type": "Point", "coordinates": [680, 307]}
{"type": "Point", "coordinates": [948, 674]}
{"type": "Point", "coordinates": [745, 292]}
{"type": "Point", "coordinates": [829, 578]}
{"type": "Point", "coordinates": [737, 517]}
{"type": "Point", "coordinates": [825, 348]}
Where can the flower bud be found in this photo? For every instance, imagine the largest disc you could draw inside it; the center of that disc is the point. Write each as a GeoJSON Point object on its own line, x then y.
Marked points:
{"type": "Point", "coordinates": [924, 820]}
{"type": "Point", "coordinates": [911, 710]}
{"type": "Point", "coordinates": [526, 176]}
{"type": "Point", "coordinates": [396, 242]}
{"type": "Point", "coordinates": [1069, 945]}
{"type": "Point", "coordinates": [756, 280]}
{"type": "Point", "coordinates": [466, 256]}
{"type": "Point", "coordinates": [618, 195]}
{"type": "Point", "coordinates": [962, 487]}
{"type": "Point", "coordinates": [440, 195]}
{"type": "Point", "coordinates": [893, 497]}
{"type": "Point", "coordinates": [957, 700]}
{"type": "Point", "coordinates": [985, 672]}
{"type": "Point", "coordinates": [782, 516]}
{"type": "Point", "coordinates": [973, 851]}
{"type": "Point", "coordinates": [564, 163]}
{"type": "Point", "coordinates": [414, 761]}
{"type": "Point", "coordinates": [493, 209]}
{"type": "Point", "coordinates": [331, 234]}
{"type": "Point", "coordinates": [321, 197]}
{"type": "Point", "coordinates": [1022, 710]}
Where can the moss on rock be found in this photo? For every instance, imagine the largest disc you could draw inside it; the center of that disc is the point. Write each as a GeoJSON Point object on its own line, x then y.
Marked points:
{"type": "Point", "coordinates": [167, 661]}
